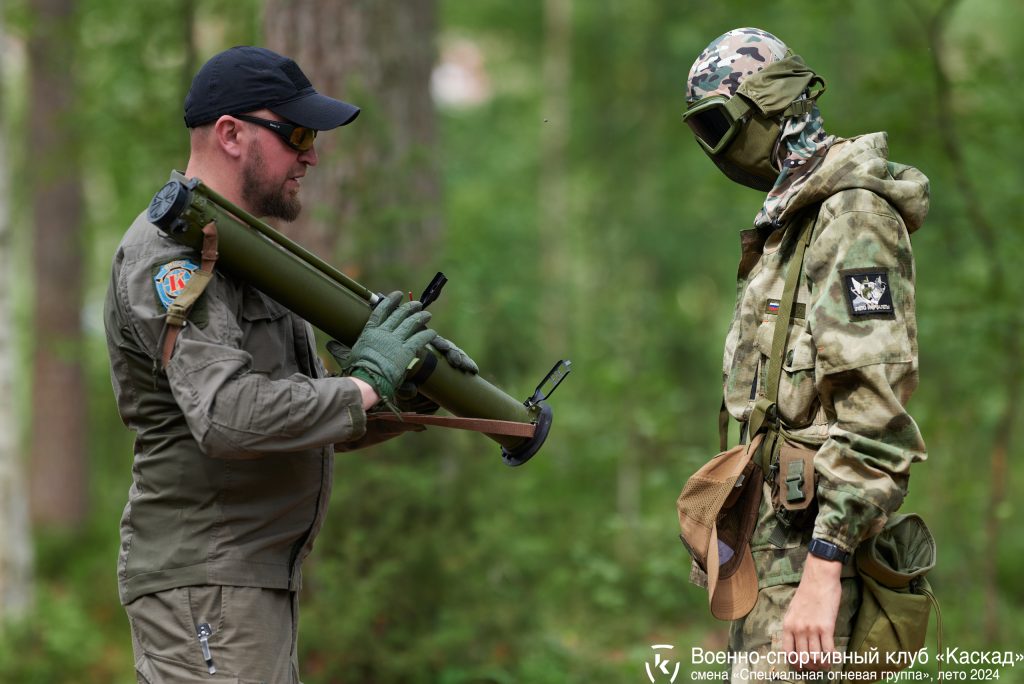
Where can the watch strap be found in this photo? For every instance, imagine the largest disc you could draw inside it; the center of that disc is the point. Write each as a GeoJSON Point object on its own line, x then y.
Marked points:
{"type": "Point", "coordinates": [827, 551]}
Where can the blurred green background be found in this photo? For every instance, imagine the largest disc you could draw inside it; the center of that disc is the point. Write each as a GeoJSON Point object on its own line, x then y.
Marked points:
{"type": "Point", "coordinates": [533, 152]}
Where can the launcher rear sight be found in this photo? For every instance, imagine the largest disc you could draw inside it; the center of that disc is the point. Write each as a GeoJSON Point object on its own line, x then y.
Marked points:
{"type": "Point", "coordinates": [538, 406]}
{"type": "Point", "coordinates": [550, 383]}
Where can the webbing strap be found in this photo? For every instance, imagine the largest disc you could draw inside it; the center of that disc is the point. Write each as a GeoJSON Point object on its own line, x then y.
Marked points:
{"type": "Point", "coordinates": [723, 427]}
{"type": "Point", "coordinates": [177, 312]}
{"type": "Point", "coordinates": [938, 621]}
{"type": "Point", "coordinates": [764, 408]}
{"type": "Point", "coordinates": [492, 427]}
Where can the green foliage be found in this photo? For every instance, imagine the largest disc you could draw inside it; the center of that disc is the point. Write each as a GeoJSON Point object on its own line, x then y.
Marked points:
{"type": "Point", "coordinates": [76, 633]}
{"type": "Point", "coordinates": [437, 563]}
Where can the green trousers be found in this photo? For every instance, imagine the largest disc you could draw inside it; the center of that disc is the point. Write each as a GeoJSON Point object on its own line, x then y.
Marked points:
{"type": "Point", "coordinates": [253, 640]}
{"type": "Point", "coordinates": [779, 559]}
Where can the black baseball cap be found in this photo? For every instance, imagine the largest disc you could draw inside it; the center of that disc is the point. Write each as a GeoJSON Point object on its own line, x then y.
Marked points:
{"type": "Point", "coordinates": [245, 78]}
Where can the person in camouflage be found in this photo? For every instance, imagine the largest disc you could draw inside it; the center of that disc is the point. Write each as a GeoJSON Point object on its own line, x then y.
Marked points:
{"type": "Point", "coordinates": [851, 361]}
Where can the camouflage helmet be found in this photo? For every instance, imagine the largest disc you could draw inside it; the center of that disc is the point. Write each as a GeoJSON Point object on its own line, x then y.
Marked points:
{"type": "Point", "coordinates": [739, 92]}
{"type": "Point", "coordinates": [729, 59]}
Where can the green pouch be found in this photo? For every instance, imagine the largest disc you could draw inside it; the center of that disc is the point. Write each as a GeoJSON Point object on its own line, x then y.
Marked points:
{"type": "Point", "coordinates": [897, 599]}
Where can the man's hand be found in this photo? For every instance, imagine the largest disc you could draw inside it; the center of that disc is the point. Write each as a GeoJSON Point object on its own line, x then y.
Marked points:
{"type": "Point", "coordinates": [391, 339]}
{"type": "Point", "coordinates": [810, 622]}
{"type": "Point", "coordinates": [341, 353]}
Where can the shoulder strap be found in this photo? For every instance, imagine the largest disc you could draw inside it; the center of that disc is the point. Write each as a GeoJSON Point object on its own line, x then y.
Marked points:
{"type": "Point", "coordinates": [177, 312]}
{"type": "Point", "coordinates": [764, 408]}
{"type": "Point", "coordinates": [723, 427]}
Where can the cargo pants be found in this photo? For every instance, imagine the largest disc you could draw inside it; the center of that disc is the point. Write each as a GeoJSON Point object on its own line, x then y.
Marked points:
{"type": "Point", "coordinates": [254, 635]}
{"type": "Point", "coordinates": [761, 631]}
{"type": "Point", "coordinates": [779, 561]}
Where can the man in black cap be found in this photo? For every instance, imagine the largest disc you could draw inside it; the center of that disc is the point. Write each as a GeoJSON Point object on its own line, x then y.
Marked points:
{"type": "Point", "coordinates": [234, 431]}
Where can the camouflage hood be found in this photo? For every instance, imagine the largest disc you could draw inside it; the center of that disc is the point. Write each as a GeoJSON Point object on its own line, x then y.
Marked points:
{"type": "Point", "coordinates": [863, 163]}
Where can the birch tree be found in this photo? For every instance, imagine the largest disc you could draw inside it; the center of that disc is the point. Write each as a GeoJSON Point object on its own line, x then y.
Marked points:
{"type": "Point", "coordinates": [15, 544]}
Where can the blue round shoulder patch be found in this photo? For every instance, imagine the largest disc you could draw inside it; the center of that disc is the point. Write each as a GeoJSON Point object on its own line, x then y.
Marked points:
{"type": "Point", "coordinates": [171, 279]}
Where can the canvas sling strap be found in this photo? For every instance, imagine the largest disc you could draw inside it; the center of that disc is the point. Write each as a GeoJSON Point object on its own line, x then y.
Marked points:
{"type": "Point", "coordinates": [765, 413]}
{"type": "Point", "coordinates": [765, 416]}
{"type": "Point", "coordinates": [177, 312]}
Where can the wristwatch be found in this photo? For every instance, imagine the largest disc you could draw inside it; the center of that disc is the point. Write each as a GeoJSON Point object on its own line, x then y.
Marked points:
{"type": "Point", "coordinates": [827, 551]}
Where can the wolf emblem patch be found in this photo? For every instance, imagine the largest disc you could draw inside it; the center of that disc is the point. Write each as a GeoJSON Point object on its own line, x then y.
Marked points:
{"type": "Point", "coordinates": [868, 293]}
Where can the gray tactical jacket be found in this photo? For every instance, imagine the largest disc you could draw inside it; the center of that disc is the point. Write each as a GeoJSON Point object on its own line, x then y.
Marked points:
{"type": "Point", "coordinates": [233, 451]}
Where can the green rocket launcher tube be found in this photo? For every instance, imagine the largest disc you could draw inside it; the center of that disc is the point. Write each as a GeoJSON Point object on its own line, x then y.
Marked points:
{"type": "Point", "coordinates": [252, 251]}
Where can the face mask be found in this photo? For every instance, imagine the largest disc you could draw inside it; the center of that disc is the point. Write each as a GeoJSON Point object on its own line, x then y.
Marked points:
{"type": "Point", "coordinates": [740, 134]}
{"type": "Point", "coordinates": [749, 160]}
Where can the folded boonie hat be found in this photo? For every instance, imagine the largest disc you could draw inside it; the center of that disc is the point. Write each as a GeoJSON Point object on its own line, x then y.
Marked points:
{"type": "Point", "coordinates": [244, 78]}
{"type": "Point", "coordinates": [718, 509]}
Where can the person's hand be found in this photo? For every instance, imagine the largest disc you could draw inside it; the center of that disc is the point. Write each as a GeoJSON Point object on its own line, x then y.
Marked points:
{"type": "Point", "coordinates": [810, 621]}
{"type": "Point", "coordinates": [455, 357]}
{"type": "Point", "coordinates": [407, 395]}
{"type": "Point", "coordinates": [391, 339]}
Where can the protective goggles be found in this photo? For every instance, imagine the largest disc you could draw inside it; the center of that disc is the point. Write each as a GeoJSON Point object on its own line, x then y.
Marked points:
{"type": "Point", "coordinates": [716, 120]}
{"type": "Point", "coordinates": [298, 138]}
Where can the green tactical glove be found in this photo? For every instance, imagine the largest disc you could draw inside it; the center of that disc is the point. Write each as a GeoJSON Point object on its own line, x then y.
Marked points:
{"type": "Point", "coordinates": [391, 339]}
{"type": "Point", "coordinates": [407, 395]}
{"type": "Point", "coordinates": [455, 357]}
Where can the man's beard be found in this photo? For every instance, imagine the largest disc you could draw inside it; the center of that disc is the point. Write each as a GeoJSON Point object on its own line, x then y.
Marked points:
{"type": "Point", "coordinates": [263, 198]}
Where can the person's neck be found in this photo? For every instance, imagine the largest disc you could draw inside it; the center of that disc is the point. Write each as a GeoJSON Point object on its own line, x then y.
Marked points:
{"type": "Point", "coordinates": [228, 185]}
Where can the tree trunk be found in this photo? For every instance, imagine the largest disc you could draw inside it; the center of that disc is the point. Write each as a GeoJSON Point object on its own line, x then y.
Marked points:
{"type": "Point", "coordinates": [1008, 335]}
{"type": "Point", "coordinates": [554, 221]}
{"type": "Point", "coordinates": [188, 39]}
{"type": "Point", "coordinates": [375, 195]}
{"type": "Point", "coordinates": [372, 206]}
{"type": "Point", "coordinates": [58, 488]}
{"type": "Point", "coordinates": [15, 540]}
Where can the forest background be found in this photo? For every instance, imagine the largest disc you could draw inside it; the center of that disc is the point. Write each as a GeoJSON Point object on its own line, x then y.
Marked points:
{"type": "Point", "coordinates": [533, 152]}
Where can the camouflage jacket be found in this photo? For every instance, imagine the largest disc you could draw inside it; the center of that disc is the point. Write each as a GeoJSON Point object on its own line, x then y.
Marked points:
{"type": "Point", "coordinates": [233, 451]}
{"type": "Point", "coordinates": [851, 360]}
